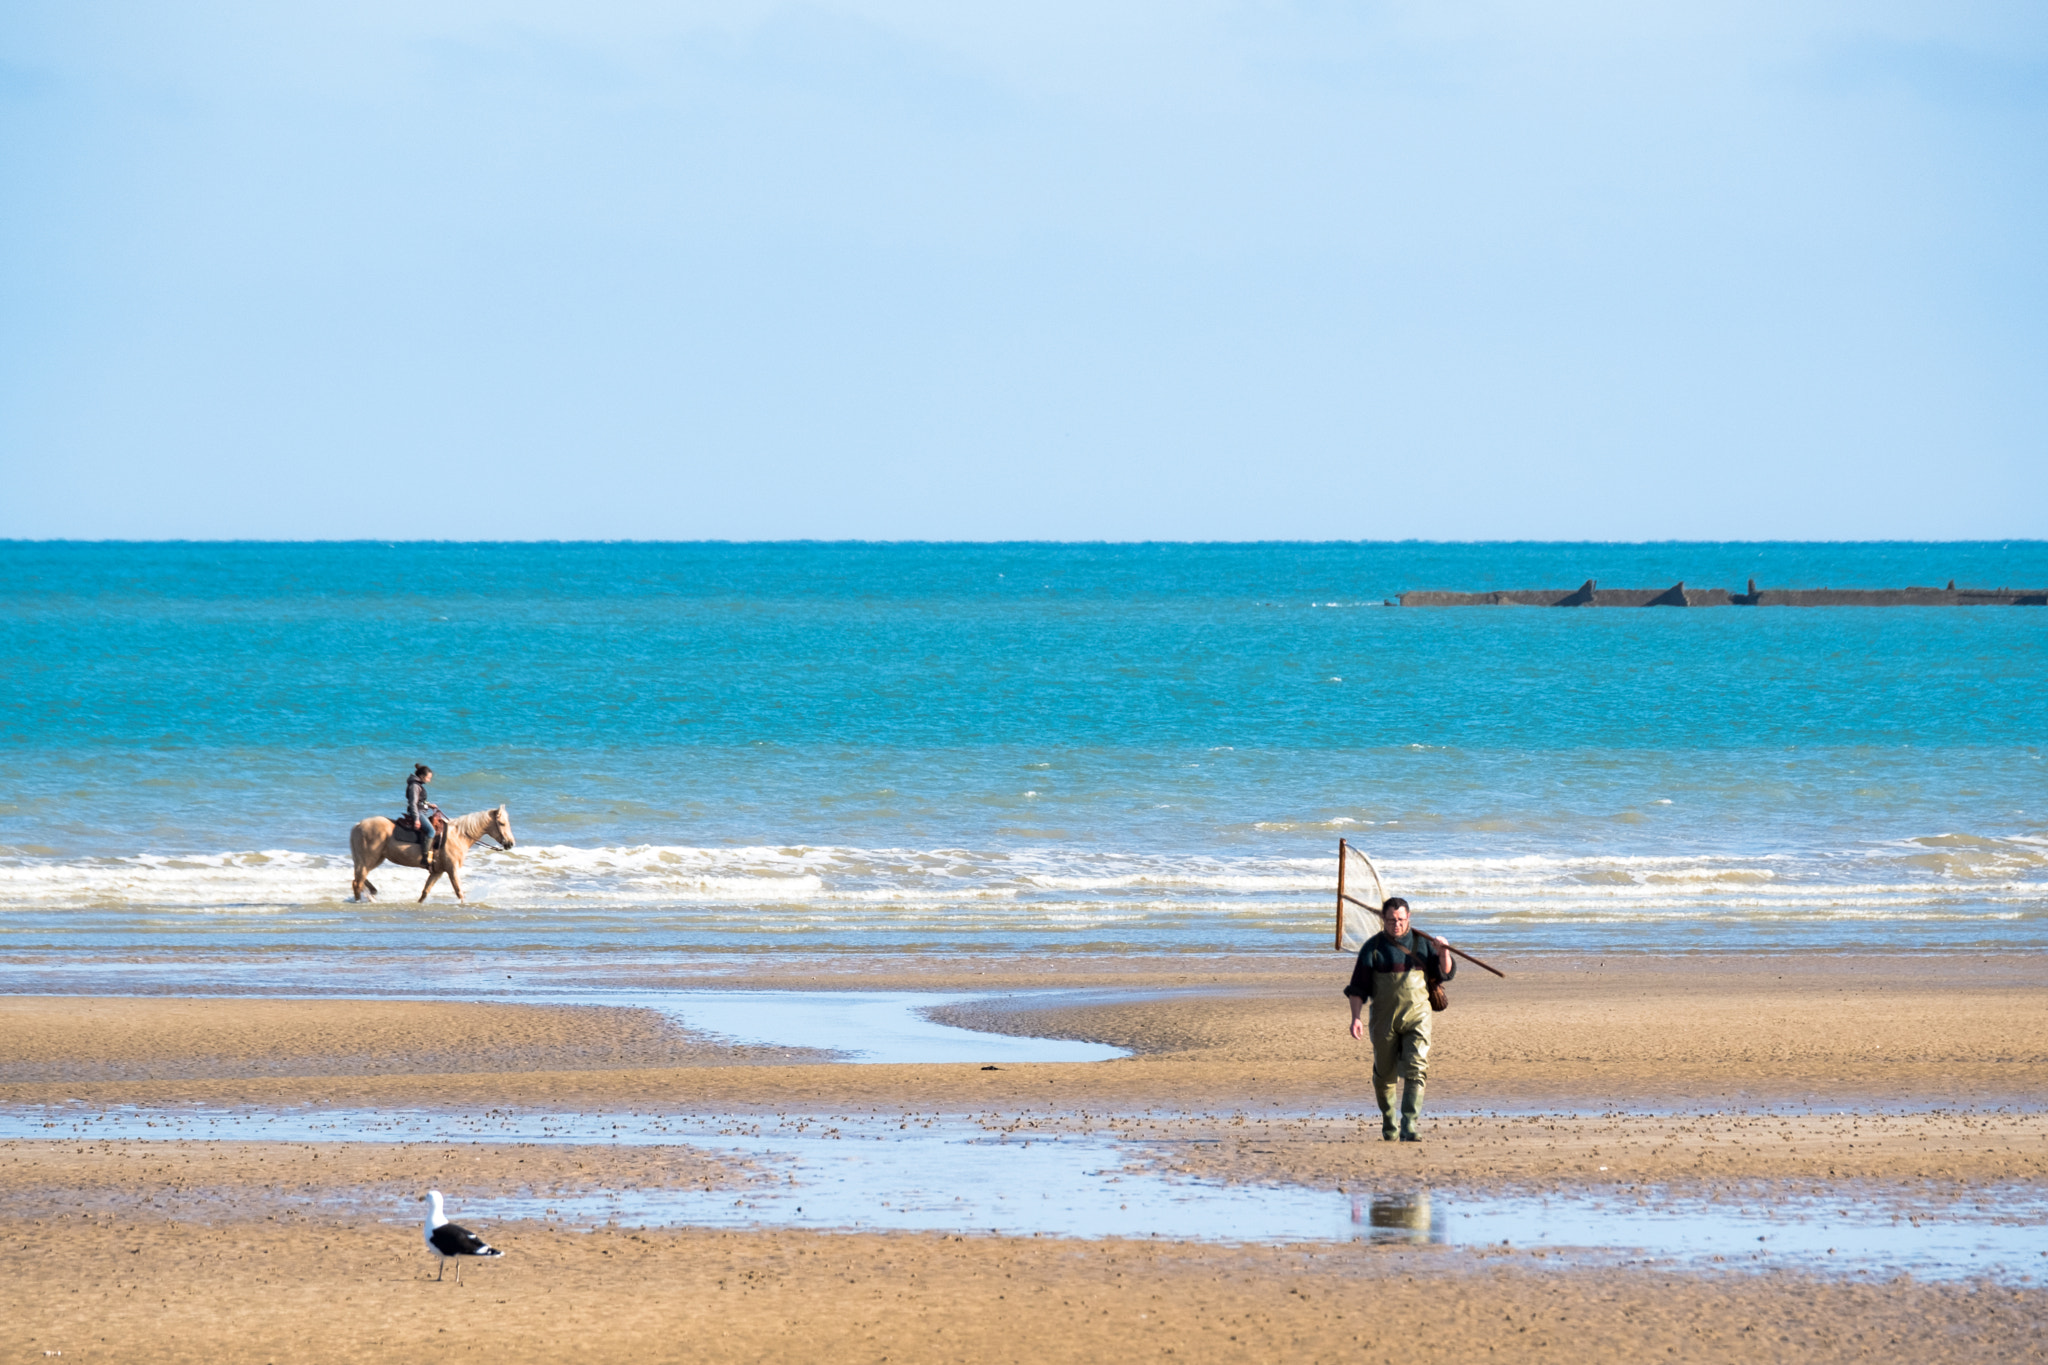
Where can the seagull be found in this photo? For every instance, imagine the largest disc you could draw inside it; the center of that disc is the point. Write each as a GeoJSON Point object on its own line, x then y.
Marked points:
{"type": "Point", "coordinates": [450, 1242]}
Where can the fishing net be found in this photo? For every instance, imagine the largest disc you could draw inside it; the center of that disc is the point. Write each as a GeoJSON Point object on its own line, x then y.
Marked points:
{"type": "Point", "coordinates": [1359, 897]}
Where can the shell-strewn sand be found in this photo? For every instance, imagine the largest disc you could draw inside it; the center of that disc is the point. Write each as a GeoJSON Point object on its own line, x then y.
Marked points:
{"type": "Point", "coordinates": [1668, 1072]}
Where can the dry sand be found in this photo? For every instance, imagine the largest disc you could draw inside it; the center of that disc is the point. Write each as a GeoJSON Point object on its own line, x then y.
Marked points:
{"type": "Point", "coordinates": [119, 1289]}
{"type": "Point", "coordinates": [1668, 1072]}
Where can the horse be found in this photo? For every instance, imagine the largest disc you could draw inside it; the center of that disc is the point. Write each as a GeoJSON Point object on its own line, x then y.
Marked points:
{"type": "Point", "coordinates": [372, 843]}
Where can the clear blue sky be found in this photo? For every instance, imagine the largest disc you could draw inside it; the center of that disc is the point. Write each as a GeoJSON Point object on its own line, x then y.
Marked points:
{"type": "Point", "coordinates": [422, 268]}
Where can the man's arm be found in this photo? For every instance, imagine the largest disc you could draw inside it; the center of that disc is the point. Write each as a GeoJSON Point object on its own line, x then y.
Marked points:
{"type": "Point", "coordinates": [1446, 965]}
{"type": "Point", "coordinates": [1360, 990]}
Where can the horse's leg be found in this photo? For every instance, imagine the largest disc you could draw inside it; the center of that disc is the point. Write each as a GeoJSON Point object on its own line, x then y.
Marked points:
{"type": "Point", "coordinates": [432, 877]}
{"type": "Point", "coordinates": [455, 877]}
{"type": "Point", "coordinates": [364, 862]}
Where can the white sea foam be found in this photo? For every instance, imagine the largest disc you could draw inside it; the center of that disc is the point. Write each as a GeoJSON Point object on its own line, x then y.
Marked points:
{"type": "Point", "coordinates": [1191, 880]}
{"type": "Point", "coordinates": [850, 892]}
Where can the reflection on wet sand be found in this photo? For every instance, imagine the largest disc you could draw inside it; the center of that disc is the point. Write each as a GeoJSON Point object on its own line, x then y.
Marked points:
{"type": "Point", "coordinates": [1397, 1217]}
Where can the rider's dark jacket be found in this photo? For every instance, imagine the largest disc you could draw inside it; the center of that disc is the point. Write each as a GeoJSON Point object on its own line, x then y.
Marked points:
{"type": "Point", "coordinates": [416, 802]}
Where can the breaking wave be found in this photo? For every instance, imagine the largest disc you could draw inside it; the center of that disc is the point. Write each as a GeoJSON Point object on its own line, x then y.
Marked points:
{"type": "Point", "coordinates": [1053, 896]}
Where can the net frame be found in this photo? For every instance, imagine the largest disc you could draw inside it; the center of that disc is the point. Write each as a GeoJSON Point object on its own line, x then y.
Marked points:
{"type": "Point", "coordinates": [1359, 898]}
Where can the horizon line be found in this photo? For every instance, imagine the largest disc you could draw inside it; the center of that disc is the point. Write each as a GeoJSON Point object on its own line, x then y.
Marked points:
{"type": "Point", "coordinates": [393, 543]}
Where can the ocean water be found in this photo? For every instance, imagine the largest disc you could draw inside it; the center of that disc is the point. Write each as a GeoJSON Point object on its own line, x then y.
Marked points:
{"type": "Point", "coordinates": [1152, 748]}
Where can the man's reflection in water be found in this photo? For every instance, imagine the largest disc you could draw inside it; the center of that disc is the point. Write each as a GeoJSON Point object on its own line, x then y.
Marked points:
{"type": "Point", "coordinates": [1395, 1217]}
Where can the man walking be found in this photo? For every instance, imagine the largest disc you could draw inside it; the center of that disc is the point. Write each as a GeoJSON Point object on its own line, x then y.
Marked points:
{"type": "Point", "coordinates": [1396, 970]}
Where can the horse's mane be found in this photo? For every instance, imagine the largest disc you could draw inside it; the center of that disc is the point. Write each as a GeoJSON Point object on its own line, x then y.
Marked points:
{"type": "Point", "coordinates": [471, 826]}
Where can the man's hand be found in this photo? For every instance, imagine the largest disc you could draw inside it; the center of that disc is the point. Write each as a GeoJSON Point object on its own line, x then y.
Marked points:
{"type": "Point", "coordinates": [1358, 1028]}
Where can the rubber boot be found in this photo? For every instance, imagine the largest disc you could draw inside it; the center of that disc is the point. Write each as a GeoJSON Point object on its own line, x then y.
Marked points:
{"type": "Point", "coordinates": [1385, 1095]}
{"type": "Point", "coordinates": [1411, 1111]}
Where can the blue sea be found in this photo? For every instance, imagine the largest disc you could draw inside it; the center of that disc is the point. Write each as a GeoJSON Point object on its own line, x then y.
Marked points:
{"type": "Point", "coordinates": [716, 749]}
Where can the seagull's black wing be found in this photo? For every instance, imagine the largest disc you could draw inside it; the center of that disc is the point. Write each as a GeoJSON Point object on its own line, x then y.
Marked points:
{"type": "Point", "coordinates": [450, 1240]}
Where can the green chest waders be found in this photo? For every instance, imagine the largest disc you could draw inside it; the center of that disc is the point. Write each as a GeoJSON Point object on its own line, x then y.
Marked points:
{"type": "Point", "coordinates": [1399, 1028]}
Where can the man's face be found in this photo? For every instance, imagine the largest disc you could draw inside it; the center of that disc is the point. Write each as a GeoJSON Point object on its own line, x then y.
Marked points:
{"type": "Point", "coordinates": [1396, 921]}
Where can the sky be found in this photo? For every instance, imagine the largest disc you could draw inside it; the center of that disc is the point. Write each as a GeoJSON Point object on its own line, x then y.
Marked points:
{"type": "Point", "coordinates": [1463, 269]}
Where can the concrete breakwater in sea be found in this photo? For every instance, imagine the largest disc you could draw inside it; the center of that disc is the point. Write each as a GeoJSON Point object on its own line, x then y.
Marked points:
{"type": "Point", "coordinates": [1590, 594]}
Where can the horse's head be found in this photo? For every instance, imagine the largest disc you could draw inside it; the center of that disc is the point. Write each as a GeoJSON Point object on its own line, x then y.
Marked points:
{"type": "Point", "coordinates": [500, 828]}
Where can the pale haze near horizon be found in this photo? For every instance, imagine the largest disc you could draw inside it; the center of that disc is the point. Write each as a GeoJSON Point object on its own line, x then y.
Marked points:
{"type": "Point", "coordinates": [1123, 271]}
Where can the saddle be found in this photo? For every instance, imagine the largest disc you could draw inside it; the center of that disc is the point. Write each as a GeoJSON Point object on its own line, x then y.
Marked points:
{"type": "Point", "coordinates": [408, 830]}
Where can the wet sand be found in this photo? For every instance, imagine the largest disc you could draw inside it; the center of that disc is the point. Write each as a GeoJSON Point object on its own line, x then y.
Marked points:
{"type": "Point", "coordinates": [237, 1181]}
{"type": "Point", "coordinates": [1669, 1072]}
{"type": "Point", "coordinates": [1559, 1036]}
{"type": "Point", "coordinates": [116, 1039]}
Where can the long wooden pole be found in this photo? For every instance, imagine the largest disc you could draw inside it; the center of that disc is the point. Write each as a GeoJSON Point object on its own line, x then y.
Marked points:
{"type": "Point", "coordinates": [1343, 857]}
{"type": "Point", "coordinates": [1459, 951]}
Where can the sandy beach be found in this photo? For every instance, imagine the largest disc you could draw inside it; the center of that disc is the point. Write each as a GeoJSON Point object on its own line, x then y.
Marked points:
{"type": "Point", "coordinates": [1209, 1034]}
{"type": "Point", "coordinates": [1877, 1075]}
{"type": "Point", "coordinates": [122, 1289]}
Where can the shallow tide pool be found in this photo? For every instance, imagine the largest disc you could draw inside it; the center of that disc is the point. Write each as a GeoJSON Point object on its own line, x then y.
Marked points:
{"type": "Point", "coordinates": [871, 1027]}
{"type": "Point", "coordinates": [952, 1174]}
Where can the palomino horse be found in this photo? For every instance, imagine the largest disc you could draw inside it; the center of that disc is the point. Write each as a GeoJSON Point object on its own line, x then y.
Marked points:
{"type": "Point", "coordinates": [372, 843]}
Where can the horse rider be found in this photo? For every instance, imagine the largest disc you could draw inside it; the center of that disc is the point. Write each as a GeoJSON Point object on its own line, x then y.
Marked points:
{"type": "Point", "coordinates": [420, 810]}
